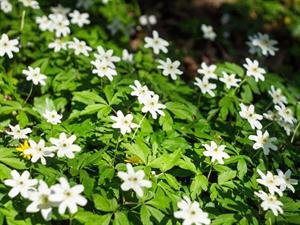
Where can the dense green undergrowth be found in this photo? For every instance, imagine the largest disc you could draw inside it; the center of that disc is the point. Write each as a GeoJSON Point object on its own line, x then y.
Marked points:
{"type": "Point", "coordinates": [165, 152]}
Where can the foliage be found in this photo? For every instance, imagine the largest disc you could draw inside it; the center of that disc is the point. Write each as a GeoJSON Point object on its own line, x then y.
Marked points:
{"type": "Point", "coordinates": [169, 149]}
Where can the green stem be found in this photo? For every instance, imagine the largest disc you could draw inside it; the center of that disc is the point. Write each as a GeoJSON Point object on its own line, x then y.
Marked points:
{"type": "Point", "coordinates": [22, 20]}
{"type": "Point", "coordinates": [116, 150]}
{"type": "Point", "coordinates": [70, 220]}
{"type": "Point", "coordinates": [255, 154]}
{"type": "Point", "coordinates": [133, 136]}
{"type": "Point", "coordinates": [210, 169]}
{"type": "Point", "coordinates": [52, 131]}
{"type": "Point", "coordinates": [295, 131]}
{"type": "Point", "coordinates": [243, 81]}
{"type": "Point", "coordinates": [268, 125]}
{"type": "Point", "coordinates": [268, 106]}
{"type": "Point", "coordinates": [28, 96]}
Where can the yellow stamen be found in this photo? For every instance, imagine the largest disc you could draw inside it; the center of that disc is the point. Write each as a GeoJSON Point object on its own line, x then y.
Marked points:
{"type": "Point", "coordinates": [22, 148]}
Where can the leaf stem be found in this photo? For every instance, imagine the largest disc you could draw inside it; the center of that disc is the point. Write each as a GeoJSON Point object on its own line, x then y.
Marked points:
{"type": "Point", "coordinates": [210, 169]}
{"type": "Point", "coordinates": [22, 20]}
{"type": "Point", "coordinates": [29, 94]}
{"type": "Point", "coordinates": [133, 136]}
{"type": "Point", "coordinates": [295, 131]}
{"type": "Point", "coordinates": [242, 82]}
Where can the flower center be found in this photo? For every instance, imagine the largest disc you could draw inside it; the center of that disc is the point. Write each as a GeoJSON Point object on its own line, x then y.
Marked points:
{"type": "Point", "coordinates": [133, 179]}
{"type": "Point", "coordinates": [193, 213]}
{"type": "Point", "coordinates": [44, 200]}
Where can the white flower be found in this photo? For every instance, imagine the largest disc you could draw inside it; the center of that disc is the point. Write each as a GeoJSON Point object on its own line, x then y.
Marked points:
{"type": "Point", "coordinates": [215, 152]}
{"type": "Point", "coordinates": [124, 123]}
{"type": "Point", "coordinates": [64, 146]}
{"type": "Point", "coordinates": [288, 127]}
{"type": "Point", "coordinates": [229, 80]}
{"type": "Point", "coordinates": [286, 114]}
{"type": "Point", "coordinates": [225, 18]}
{"type": "Point", "coordinates": [59, 9]}
{"type": "Point", "coordinates": [57, 45]}
{"type": "Point", "coordinates": [35, 76]}
{"type": "Point", "coordinates": [80, 47]}
{"type": "Point", "coordinates": [79, 18]}
{"type": "Point", "coordinates": [191, 213]}
{"type": "Point", "coordinates": [142, 92]}
{"type": "Point", "coordinates": [248, 113]}
{"type": "Point", "coordinates": [208, 71]}
{"type": "Point", "coordinates": [68, 197]}
{"type": "Point", "coordinates": [5, 6]}
{"type": "Point", "coordinates": [45, 24]}
{"type": "Point", "coordinates": [156, 43]}
{"type": "Point", "coordinates": [286, 180]}
{"type": "Point", "coordinates": [152, 105]}
{"type": "Point", "coordinates": [107, 56]}
{"type": "Point", "coordinates": [264, 141]}
{"type": "Point", "coordinates": [126, 56]}
{"type": "Point", "coordinates": [60, 24]}
{"type": "Point", "coordinates": [20, 184]}
{"type": "Point", "coordinates": [147, 20]}
{"type": "Point", "coordinates": [205, 86]}
{"type": "Point", "coordinates": [30, 3]}
{"type": "Point", "coordinates": [86, 4]}
{"type": "Point", "coordinates": [134, 180]}
{"type": "Point", "coordinates": [277, 97]}
{"type": "Point", "coordinates": [170, 68]}
{"type": "Point", "coordinates": [208, 32]}
{"type": "Point", "coordinates": [254, 70]}
{"type": "Point", "coordinates": [41, 201]}
{"type": "Point", "coordinates": [116, 25]}
{"type": "Point", "coordinates": [270, 115]}
{"type": "Point", "coordinates": [262, 44]}
{"type": "Point", "coordinates": [18, 133]}
{"type": "Point", "coordinates": [103, 69]}
{"type": "Point", "coordinates": [270, 181]}
{"type": "Point", "coordinates": [270, 202]}
{"type": "Point", "coordinates": [8, 46]}
{"type": "Point", "coordinates": [38, 151]}
{"type": "Point", "coordinates": [52, 117]}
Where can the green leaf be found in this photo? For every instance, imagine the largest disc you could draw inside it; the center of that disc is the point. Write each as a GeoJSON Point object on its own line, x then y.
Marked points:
{"type": "Point", "coordinates": [88, 97]}
{"type": "Point", "coordinates": [145, 215]}
{"type": "Point", "coordinates": [231, 68]}
{"type": "Point", "coordinates": [187, 164]}
{"type": "Point", "coordinates": [247, 94]}
{"type": "Point", "coordinates": [88, 218]}
{"type": "Point", "coordinates": [172, 181]}
{"type": "Point", "coordinates": [139, 149]}
{"type": "Point", "coordinates": [241, 168]}
{"type": "Point", "coordinates": [226, 176]}
{"type": "Point", "coordinates": [90, 109]}
{"type": "Point", "coordinates": [4, 172]}
{"type": "Point", "coordinates": [7, 157]}
{"type": "Point", "coordinates": [180, 110]}
{"type": "Point", "coordinates": [120, 218]}
{"type": "Point", "coordinates": [166, 161]}
{"type": "Point", "coordinates": [104, 204]}
{"type": "Point", "coordinates": [22, 118]}
{"type": "Point", "coordinates": [88, 182]}
{"type": "Point", "coordinates": [224, 219]}
{"type": "Point", "coordinates": [199, 183]}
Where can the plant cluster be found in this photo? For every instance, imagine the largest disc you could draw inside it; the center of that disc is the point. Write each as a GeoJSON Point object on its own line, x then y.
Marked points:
{"type": "Point", "coordinates": [94, 133]}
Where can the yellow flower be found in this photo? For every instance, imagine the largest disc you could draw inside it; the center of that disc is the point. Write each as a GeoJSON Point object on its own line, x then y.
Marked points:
{"type": "Point", "coordinates": [133, 160]}
{"type": "Point", "coordinates": [22, 148]}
